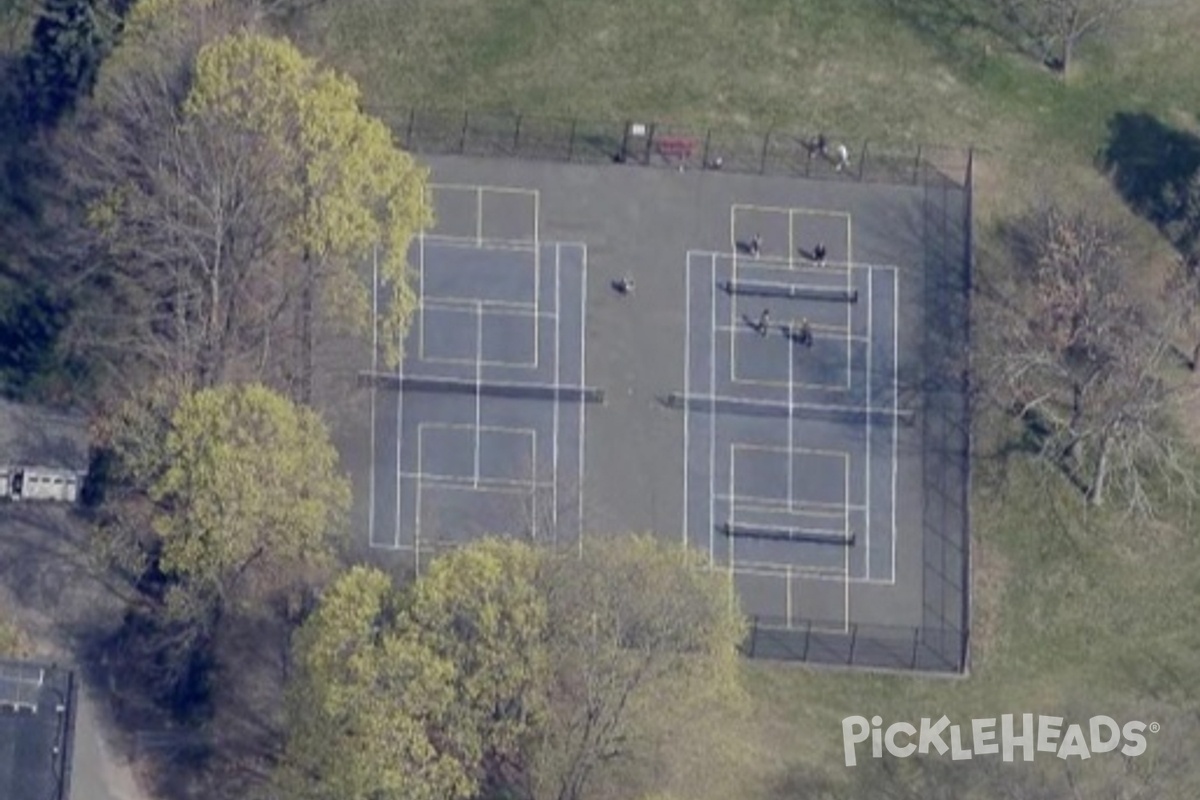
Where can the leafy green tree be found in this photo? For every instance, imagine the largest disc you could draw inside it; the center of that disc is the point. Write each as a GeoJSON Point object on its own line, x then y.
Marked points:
{"type": "Point", "coordinates": [13, 642]}
{"type": "Point", "coordinates": [251, 482]}
{"type": "Point", "coordinates": [640, 632]}
{"type": "Point", "coordinates": [506, 670]}
{"type": "Point", "coordinates": [369, 703]}
{"type": "Point", "coordinates": [230, 195]}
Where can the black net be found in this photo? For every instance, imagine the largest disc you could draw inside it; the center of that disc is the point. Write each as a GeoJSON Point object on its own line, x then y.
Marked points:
{"type": "Point", "coordinates": [526, 391]}
{"type": "Point", "coordinates": [762, 408]}
{"type": "Point", "coordinates": [793, 291]}
{"type": "Point", "coordinates": [743, 531]}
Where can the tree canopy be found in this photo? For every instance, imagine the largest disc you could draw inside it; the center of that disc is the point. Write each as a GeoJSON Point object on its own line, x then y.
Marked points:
{"type": "Point", "coordinates": [229, 195]}
{"type": "Point", "coordinates": [505, 668]}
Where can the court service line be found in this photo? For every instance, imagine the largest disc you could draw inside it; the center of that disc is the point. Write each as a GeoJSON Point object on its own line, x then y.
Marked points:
{"type": "Point", "coordinates": [374, 368]}
{"type": "Point", "coordinates": [791, 239]}
{"type": "Point", "coordinates": [687, 382]}
{"type": "Point", "coordinates": [816, 212]}
{"type": "Point", "coordinates": [465, 484]}
{"type": "Point", "coordinates": [712, 418]}
{"type": "Point", "coordinates": [499, 308]}
{"type": "Point", "coordinates": [791, 422]}
{"type": "Point", "coordinates": [478, 385]}
{"type": "Point", "coordinates": [582, 378]}
{"type": "Point", "coordinates": [895, 404]}
{"type": "Point", "coordinates": [479, 217]}
{"type": "Point", "coordinates": [788, 595]}
{"type": "Point", "coordinates": [557, 382]}
{"type": "Point", "coordinates": [867, 455]}
{"type": "Point", "coordinates": [810, 509]}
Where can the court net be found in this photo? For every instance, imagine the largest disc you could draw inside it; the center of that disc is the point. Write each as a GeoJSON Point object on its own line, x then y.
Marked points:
{"type": "Point", "coordinates": [705, 404]}
{"type": "Point", "coordinates": [741, 530]}
{"type": "Point", "coordinates": [523, 391]}
{"type": "Point", "coordinates": [793, 291]}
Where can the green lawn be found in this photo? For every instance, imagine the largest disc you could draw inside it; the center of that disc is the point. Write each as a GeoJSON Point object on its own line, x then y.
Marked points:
{"type": "Point", "coordinates": [1076, 613]}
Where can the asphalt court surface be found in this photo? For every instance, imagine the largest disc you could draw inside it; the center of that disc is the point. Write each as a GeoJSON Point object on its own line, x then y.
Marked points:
{"type": "Point", "coordinates": [447, 468]}
{"type": "Point", "coordinates": [804, 481]}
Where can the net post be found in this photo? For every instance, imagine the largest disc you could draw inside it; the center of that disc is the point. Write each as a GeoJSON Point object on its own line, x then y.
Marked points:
{"type": "Point", "coordinates": [917, 167]}
{"type": "Point", "coordinates": [862, 160]}
{"type": "Point", "coordinates": [412, 123]}
{"type": "Point", "coordinates": [762, 161]}
{"type": "Point", "coordinates": [704, 156]}
{"type": "Point", "coordinates": [462, 139]}
{"type": "Point", "coordinates": [517, 136]}
{"type": "Point", "coordinates": [571, 142]}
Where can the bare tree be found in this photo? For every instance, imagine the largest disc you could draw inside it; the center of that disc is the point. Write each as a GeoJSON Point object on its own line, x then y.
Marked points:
{"type": "Point", "coordinates": [1056, 27]}
{"type": "Point", "coordinates": [1081, 361]}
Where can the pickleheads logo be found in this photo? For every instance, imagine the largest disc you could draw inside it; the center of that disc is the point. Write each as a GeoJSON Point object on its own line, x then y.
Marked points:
{"type": "Point", "coordinates": [1101, 734]}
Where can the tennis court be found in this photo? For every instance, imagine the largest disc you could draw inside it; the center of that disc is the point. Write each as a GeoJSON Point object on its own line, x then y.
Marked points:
{"type": "Point", "coordinates": [481, 430]}
{"type": "Point", "coordinates": [590, 357]}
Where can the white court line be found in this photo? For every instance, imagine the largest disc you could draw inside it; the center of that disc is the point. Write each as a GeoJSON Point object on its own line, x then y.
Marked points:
{"type": "Point", "coordinates": [582, 381]}
{"type": "Point", "coordinates": [478, 385]}
{"type": "Point", "coordinates": [791, 423]}
{"type": "Point", "coordinates": [895, 404]}
{"type": "Point", "coordinates": [811, 509]}
{"type": "Point", "coordinates": [399, 453]}
{"type": "Point", "coordinates": [849, 310]}
{"type": "Point", "coordinates": [712, 418]}
{"type": "Point", "coordinates": [687, 383]}
{"type": "Point", "coordinates": [867, 458]}
{"type": "Point", "coordinates": [791, 259]}
{"type": "Point", "coordinates": [374, 389]}
{"type": "Point", "coordinates": [816, 407]}
{"type": "Point", "coordinates": [817, 212]}
{"type": "Point", "coordinates": [537, 249]}
{"type": "Point", "coordinates": [487, 243]}
{"type": "Point", "coordinates": [557, 382]}
{"type": "Point", "coordinates": [499, 308]}
{"type": "Point", "coordinates": [479, 216]}
{"type": "Point", "coordinates": [501, 485]}
{"type": "Point", "coordinates": [788, 595]}
{"type": "Point", "coordinates": [767, 263]}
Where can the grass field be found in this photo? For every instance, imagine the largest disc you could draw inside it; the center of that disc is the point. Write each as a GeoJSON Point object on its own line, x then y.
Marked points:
{"type": "Point", "coordinates": [1076, 613]}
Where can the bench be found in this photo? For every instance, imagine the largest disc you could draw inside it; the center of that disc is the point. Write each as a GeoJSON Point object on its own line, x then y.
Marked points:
{"type": "Point", "coordinates": [680, 147]}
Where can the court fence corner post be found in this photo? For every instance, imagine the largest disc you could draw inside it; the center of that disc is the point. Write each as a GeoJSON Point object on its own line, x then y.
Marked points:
{"type": "Point", "coordinates": [650, 134]}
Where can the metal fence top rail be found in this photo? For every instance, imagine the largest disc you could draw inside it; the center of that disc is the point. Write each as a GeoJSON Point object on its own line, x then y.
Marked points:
{"type": "Point", "coordinates": [813, 155]}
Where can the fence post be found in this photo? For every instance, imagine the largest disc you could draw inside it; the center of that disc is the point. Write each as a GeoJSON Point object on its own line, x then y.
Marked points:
{"type": "Point", "coordinates": [916, 644]}
{"type": "Point", "coordinates": [462, 140]}
{"type": "Point", "coordinates": [807, 640]}
{"type": "Point", "coordinates": [571, 141]}
{"type": "Point", "coordinates": [412, 121]}
{"type": "Point", "coordinates": [862, 161]}
{"type": "Point", "coordinates": [649, 143]}
{"type": "Point", "coordinates": [853, 641]}
{"type": "Point", "coordinates": [917, 167]}
{"type": "Point", "coordinates": [704, 157]}
{"type": "Point", "coordinates": [517, 137]}
{"type": "Point", "coordinates": [624, 152]}
{"type": "Point", "coordinates": [762, 163]}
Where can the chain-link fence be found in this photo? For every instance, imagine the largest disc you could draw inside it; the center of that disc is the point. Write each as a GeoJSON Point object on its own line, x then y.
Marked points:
{"type": "Point", "coordinates": [814, 155]}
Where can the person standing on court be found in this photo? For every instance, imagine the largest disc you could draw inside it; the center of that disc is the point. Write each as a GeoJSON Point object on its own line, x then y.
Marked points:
{"type": "Point", "coordinates": [805, 335]}
{"type": "Point", "coordinates": [764, 322]}
{"type": "Point", "coordinates": [756, 245]}
{"type": "Point", "coordinates": [819, 254]}
{"type": "Point", "coordinates": [843, 157]}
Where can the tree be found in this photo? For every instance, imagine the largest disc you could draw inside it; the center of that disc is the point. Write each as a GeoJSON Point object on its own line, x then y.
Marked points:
{"type": "Point", "coordinates": [70, 40]}
{"type": "Point", "coordinates": [640, 631]}
{"type": "Point", "coordinates": [369, 703]}
{"type": "Point", "coordinates": [1056, 27]}
{"type": "Point", "coordinates": [228, 195]}
{"type": "Point", "coordinates": [505, 669]}
{"type": "Point", "coordinates": [251, 485]}
{"type": "Point", "coordinates": [1081, 361]}
{"type": "Point", "coordinates": [13, 641]}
